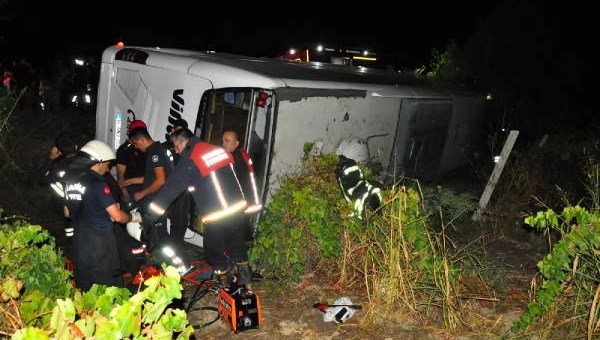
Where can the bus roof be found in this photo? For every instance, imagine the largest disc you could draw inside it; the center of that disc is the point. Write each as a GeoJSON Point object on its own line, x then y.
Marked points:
{"type": "Point", "coordinates": [229, 70]}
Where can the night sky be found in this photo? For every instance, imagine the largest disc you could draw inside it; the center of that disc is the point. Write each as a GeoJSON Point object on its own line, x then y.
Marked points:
{"type": "Point", "coordinates": [403, 34]}
{"type": "Point", "coordinates": [406, 34]}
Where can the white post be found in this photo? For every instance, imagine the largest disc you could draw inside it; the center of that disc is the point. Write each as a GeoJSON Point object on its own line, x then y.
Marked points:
{"type": "Point", "coordinates": [491, 184]}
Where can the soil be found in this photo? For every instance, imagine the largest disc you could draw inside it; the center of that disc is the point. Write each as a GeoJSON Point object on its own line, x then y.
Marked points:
{"type": "Point", "coordinates": [509, 256]}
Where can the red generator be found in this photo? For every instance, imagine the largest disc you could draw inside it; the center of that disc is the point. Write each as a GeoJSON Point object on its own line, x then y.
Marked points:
{"type": "Point", "coordinates": [239, 308]}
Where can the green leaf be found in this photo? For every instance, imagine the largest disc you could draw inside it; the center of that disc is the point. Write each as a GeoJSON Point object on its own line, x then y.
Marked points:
{"type": "Point", "coordinates": [30, 333]}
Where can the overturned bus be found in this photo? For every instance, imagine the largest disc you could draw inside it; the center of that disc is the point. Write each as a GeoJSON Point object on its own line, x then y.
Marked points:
{"type": "Point", "coordinates": [276, 106]}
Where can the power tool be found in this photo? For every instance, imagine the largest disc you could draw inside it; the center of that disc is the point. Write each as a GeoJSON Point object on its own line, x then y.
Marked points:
{"type": "Point", "coordinates": [239, 308]}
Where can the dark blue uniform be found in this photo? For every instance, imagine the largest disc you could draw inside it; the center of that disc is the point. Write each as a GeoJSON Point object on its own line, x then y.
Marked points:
{"type": "Point", "coordinates": [95, 253]}
{"type": "Point", "coordinates": [157, 156]}
{"type": "Point", "coordinates": [206, 171]}
{"type": "Point", "coordinates": [135, 162]}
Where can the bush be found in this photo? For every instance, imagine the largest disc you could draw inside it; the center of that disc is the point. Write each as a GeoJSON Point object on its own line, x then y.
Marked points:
{"type": "Point", "coordinates": [28, 257]}
{"type": "Point", "coordinates": [302, 224]}
{"type": "Point", "coordinates": [37, 300]}
{"type": "Point", "coordinates": [569, 274]}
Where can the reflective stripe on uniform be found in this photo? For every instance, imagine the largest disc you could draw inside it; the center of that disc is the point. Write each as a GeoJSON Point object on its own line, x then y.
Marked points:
{"type": "Point", "coordinates": [58, 189]}
{"type": "Point", "coordinates": [255, 191]}
{"type": "Point", "coordinates": [351, 169]}
{"type": "Point", "coordinates": [220, 214]}
{"type": "Point", "coordinates": [218, 189]}
{"type": "Point", "coordinates": [253, 208]}
{"type": "Point", "coordinates": [177, 262]}
{"type": "Point", "coordinates": [156, 209]}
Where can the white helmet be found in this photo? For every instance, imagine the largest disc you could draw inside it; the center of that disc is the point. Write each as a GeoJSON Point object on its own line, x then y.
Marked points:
{"type": "Point", "coordinates": [98, 151]}
{"type": "Point", "coordinates": [354, 148]}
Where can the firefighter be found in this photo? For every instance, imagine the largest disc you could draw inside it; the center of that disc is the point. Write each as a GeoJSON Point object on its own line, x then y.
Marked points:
{"type": "Point", "coordinates": [53, 169]}
{"type": "Point", "coordinates": [206, 171]}
{"type": "Point", "coordinates": [244, 170]}
{"type": "Point", "coordinates": [355, 188]}
{"type": "Point", "coordinates": [92, 208]}
{"type": "Point", "coordinates": [64, 147]}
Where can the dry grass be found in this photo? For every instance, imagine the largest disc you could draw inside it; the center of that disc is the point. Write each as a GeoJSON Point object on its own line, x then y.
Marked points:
{"type": "Point", "coordinates": [402, 266]}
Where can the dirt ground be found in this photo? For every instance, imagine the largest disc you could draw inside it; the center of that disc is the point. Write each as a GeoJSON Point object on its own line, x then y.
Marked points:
{"type": "Point", "coordinates": [511, 265]}
{"type": "Point", "coordinates": [509, 258]}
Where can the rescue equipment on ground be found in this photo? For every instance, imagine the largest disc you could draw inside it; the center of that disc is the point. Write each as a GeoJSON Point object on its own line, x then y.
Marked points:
{"type": "Point", "coordinates": [239, 308]}
{"type": "Point", "coordinates": [340, 311]}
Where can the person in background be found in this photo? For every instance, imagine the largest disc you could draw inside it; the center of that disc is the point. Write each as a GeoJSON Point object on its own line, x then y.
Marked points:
{"type": "Point", "coordinates": [92, 208]}
{"type": "Point", "coordinates": [177, 125]}
{"type": "Point", "coordinates": [53, 168]}
{"type": "Point", "coordinates": [65, 145]}
{"type": "Point", "coordinates": [245, 172]}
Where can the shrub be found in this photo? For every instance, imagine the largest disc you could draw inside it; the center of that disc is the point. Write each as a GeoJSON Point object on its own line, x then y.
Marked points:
{"type": "Point", "coordinates": [302, 223]}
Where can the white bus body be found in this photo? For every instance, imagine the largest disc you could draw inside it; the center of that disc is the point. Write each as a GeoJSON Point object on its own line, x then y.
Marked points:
{"type": "Point", "coordinates": [277, 106]}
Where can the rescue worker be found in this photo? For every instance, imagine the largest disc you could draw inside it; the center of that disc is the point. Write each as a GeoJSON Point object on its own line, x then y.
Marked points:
{"type": "Point", "coordinates": [130, 164]}
{"type": "Point", "coordinates": [89, 203]}
{"type": "Point", "coordinates": [355, 188]}
{"type": "Point", "coordinates": [206, 171]}
{"type": "Point", "coordinates": [159, 164]}
{"type": "Point", "coordinates": [54, 168]}
{"type": "Point", "coordinates": [244, 170]}
{"type": "Point", "coordinates": [64, 147]}
{"type": "Point", "coordinates": [177, 125]}
{"type": "Point", "coordinates": [180, 211]}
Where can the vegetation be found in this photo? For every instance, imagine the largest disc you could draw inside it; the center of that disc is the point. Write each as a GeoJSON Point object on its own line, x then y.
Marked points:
{"type": "Point", "coordinates": [37, 300]}
{"type": "Point", "coordinates": [400, 262]}
{"type": "Point", "coordinates": [569, 289]}
{"type": "Point", "coordinates": [303, 223]}
{"type": "Point", "coordinates": [569, 271]}
{"type": "Point", "coordinates": [390, 254]}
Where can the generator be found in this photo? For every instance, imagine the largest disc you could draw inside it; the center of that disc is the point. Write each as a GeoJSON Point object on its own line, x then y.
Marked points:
{"type": "Point", "coordinates": [239, 308]}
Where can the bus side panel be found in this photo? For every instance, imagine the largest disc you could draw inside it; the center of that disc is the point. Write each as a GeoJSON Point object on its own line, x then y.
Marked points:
{"type": "Point", "coordinates": [464, 132]}
{"type": "Point", "coordinates": [155, 95]}
{"type": "Point", "coordinates": [420, 137]}
{"type": "Point", "coordinates": [329, 116]}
